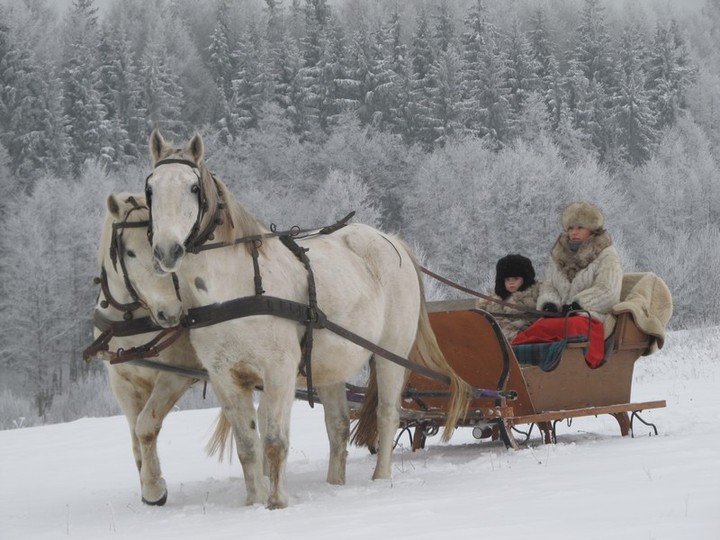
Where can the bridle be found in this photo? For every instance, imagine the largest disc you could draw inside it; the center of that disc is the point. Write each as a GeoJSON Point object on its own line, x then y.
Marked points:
{"type": "Point", "coordinates": [117, 255]}
{"type": "Point", "coordinates": [130, 325]}
{"type": "Point", "coordinates": [207, 218]}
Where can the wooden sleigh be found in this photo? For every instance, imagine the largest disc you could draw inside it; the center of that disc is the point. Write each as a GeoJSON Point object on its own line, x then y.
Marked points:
{"type": "Point", "coordinates": [475, 347]}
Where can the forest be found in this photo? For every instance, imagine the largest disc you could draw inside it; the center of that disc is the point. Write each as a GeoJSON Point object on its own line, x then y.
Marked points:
{"type": "Point", "coordinates": [464, 126]}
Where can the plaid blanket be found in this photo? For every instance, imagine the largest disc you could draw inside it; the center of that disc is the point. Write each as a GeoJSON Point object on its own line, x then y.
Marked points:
{"type": "Point", "coordinates": [544, 355]}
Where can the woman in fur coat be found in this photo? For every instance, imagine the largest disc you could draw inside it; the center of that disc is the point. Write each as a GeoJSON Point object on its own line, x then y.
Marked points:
{"type": "Point", "coordinates": [515, 284]}
{"type": "Point", "coordinates": [584, 273]}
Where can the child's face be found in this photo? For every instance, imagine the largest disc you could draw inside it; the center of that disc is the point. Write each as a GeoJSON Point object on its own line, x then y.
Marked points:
{"type": "Point", "coordinates": [512, 284]}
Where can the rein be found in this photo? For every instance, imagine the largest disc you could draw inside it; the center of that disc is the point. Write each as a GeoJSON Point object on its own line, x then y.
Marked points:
{"type": "Point", "coordinates": [525, 311]}
{"type": "Point", "coordinates": [293, 232]}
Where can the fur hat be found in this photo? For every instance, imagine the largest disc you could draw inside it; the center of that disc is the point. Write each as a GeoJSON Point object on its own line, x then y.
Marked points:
{"type": "Point", "coordinates": [582, 214]}
{"type": "Point", "coordinates": [513, 266]}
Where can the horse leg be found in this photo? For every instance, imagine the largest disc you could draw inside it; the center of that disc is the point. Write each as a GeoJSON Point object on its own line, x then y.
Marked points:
{"type": "Point", "coordinates": [262, 428]}
{"type": "Point", "coordinates": [337, 425]}
{"type": "Point", "coordinates": [239, 409]}
{"type": "Point", "coordinates": [278, 395]}
{"type": "Point", "coordinates": [390, 379]}
{"type": "Point", "coordinates": [166, 392]}
{"type": "Point", "coordinates": [131, 400]}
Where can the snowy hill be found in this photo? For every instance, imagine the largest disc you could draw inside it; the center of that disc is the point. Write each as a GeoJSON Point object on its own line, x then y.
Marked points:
{"type": "Point", "coordinates": [78, 480]}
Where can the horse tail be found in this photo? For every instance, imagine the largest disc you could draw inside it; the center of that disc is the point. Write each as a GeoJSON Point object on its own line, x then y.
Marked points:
{"type": "Point", "coordinates": [364, 432]}
{"type": "Point", "coordinates": [221, 439]}
{"type": "Point", "coordinates": [426, 351]}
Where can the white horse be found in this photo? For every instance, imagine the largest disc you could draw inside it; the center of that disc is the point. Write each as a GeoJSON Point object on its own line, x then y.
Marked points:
{"type": "Point", "coordinates": [367, 282]}
{"type": "Point", "coordinates": [145, 395]}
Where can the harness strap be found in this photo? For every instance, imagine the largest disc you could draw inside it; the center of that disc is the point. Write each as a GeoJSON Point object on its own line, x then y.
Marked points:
{"type": "Point", "coordinates": [100, 344]}
{"type": "Point", "coordinates": [307, 340]}
{"type": "Point", "coordinates": [249, 306]}
{"type": "Point", "coordinates": [111, 328]}
{"type": "Point", "coordinates": [337, 225]}
{"type": "Point", "coordinates": [529, 312]}
{"type": "Point", "coordinates": [162, 341]}
{"type": "Point", "coordinates": [110, 299]}
{"type": "Point", "coordinates": [128, 327]}
{"type": "Point", "coordinates": [294, 232]}
{"type": "Point", "coordinates": [288, 309]}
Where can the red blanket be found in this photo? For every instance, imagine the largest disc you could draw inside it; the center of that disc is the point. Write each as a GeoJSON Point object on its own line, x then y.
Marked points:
{"type": "Point", "coordinates": [548, 330]}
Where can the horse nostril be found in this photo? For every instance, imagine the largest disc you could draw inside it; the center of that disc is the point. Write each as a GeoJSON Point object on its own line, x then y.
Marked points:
{"type": "Point", "coordinates": [157, 253]}
{"type": "Point", "coordinates": [177, 252]}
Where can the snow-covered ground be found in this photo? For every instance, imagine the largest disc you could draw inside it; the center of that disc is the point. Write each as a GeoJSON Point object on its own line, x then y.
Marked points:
{"type": "Point", "coordinates": [78, 480]}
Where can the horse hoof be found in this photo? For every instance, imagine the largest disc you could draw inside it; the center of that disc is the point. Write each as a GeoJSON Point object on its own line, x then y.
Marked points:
{"type": "Point", "coordinates": [160, 502]}
{"type": "Point", "coordinates": [276, 503]}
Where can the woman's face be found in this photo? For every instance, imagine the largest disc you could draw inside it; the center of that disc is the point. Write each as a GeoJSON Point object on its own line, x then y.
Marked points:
{"type": "Point", "coordinates": [512, 284]}
{"type": "Point", "coordinates": [578, 233]}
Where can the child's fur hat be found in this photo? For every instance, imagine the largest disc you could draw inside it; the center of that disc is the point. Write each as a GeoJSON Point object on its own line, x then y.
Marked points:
{"type": "Point", "coordinates": [582, 214]}
{"type": "Point", "coordinates": [513, 266]}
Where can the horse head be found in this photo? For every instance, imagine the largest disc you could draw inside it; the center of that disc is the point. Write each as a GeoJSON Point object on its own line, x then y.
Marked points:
{"type": "Point", "coordinates": [183, 200]}
{"type": "Point", "coordinates": [127, 260]}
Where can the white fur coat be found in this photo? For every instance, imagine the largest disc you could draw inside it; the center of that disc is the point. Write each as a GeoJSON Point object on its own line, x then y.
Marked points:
{"type": "Point", "coordinates": [592, 276]}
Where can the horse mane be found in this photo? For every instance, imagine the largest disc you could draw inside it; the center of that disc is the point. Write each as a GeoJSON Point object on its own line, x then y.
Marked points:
{"type": "Point", "coordinates": [239, 221]}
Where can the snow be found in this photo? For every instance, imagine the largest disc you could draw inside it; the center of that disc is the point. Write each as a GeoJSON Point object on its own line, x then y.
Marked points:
{"type": "Point", "coordinates": [78, 480]}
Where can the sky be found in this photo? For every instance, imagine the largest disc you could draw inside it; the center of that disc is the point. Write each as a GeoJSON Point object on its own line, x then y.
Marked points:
{"type": "Point", "coordinates": [78, 480]}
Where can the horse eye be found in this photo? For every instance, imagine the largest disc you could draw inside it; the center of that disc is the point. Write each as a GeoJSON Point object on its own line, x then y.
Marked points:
{"type": "Point", "coordinates": [130, 253]}
{"type": "Point", "coordinates": [195, 188]}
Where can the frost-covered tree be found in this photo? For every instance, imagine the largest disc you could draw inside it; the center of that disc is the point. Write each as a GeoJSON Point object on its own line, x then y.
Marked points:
{"type": "Point", "coordinates": [485, 105]}
{"type": "Point", "coordinates": [220, 60]}
{"type": "Point", "coordinates": [163, 94]}
{"type": "Point", "coordinates": [444, 31]}
{"type": "Point", "coordinates": [49, 263]}
{"type": "Point", "coordinates": [634, 118]}
{"type": "Point", "coordinates": [592, 52]}
{"type": "Point", "coordinates": [391, 98]}
{"type": "Point", "coordinates": [31, 122]}
{"type": "Point", "coordinates": [446, 96]}
{"type": "Point", "coordinates": [84, 112]}
{"type": "Point", "coordinates": [670, 73]}
{"type": "Point", "coordinates": [541, 47]}
{"type": "Point", "coordinates": [423, 122]}
{"type": "Point", "coordinates": [250, 84]}
{"type": "Point", "coordinates": [121, 95]}
{"type": "Point", "coordinates": [521, 76]}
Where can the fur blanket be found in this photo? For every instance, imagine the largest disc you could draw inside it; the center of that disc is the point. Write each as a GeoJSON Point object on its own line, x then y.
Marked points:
{"type": "Point", "coordinates": [648, 299]}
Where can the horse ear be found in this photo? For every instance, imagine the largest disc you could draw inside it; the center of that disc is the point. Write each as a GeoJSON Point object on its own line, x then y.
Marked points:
{"type": "Point", "coordinates": [196, 148]}
{"type": "Point", "coordinates": [157, 143]}
{"type": "Point", "coordinates": [113, 206]}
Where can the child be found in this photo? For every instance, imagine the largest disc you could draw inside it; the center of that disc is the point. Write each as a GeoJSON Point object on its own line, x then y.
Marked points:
{"type": "Point", "coordinates": [514, 283]}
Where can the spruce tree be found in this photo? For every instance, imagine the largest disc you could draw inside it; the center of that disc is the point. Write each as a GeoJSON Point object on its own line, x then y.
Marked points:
{"type": "Point", "coordinates": [633, 116]}
{"type": "Point", "coordinates": [422, 121]}
{"type": "Point", "coordinates": [670, 73]}
{"type": "Point", "coordinates": [84, 112]}
{"type": "Point", "coordinates": [521, 77]}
